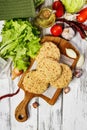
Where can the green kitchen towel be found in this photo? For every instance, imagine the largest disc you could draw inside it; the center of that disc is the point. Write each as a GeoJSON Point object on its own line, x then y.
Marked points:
{"type": "Point", "coordinates": [16, 9]}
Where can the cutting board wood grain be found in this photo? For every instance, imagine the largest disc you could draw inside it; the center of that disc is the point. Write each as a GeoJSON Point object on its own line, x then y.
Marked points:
{"type": "Point", "coordinates": [21, 112]}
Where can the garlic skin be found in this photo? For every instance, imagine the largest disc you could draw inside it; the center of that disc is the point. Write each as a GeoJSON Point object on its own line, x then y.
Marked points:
{"type": "Point", "coordinates": [70, 16]}
{"type": "Point", "coordinates": [80, 61]}
{"type": "Point", "coordinates": [71, 53]}
{"type": "Point", "coordinates": [68, 33]}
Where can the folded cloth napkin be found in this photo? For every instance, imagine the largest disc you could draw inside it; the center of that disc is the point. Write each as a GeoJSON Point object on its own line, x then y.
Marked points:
{"type": "Point", "coordinates": [16, 9]}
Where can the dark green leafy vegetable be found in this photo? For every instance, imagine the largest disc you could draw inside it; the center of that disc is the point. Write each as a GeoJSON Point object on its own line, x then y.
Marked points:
{"type": "Point", "coordinates": [20, 42]}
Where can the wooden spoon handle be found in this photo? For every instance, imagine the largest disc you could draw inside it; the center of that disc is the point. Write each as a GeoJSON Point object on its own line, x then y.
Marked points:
{"type": "Point", "coordinates": [21, 112]}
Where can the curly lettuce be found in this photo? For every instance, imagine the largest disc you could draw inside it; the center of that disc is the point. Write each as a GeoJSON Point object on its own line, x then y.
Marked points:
{"type": "Point", "coordinates": [20, 42]}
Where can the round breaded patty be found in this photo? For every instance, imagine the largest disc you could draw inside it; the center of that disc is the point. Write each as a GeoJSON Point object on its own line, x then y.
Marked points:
{"type": "Point", "coordinates": [34, 82]}
{"type": "Point", "coordinates": [64, 79]}
{"type": "Point", "coordinates": [48, 49]}
{"type": "Point", "coordinates": [50, 68]}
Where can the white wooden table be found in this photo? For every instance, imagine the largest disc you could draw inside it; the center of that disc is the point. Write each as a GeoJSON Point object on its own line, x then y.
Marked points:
{"type": "Point", "coordinates": [68, 113]}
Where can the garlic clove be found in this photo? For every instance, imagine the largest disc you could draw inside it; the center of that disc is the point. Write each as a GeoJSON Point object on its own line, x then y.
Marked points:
{"type": "Point", "coordinates": [80, 61]}
{"type": "Point", "coordinates": [66, 90]}
{"type": "Point", "coordinates": [71, 53]}
{"type": "Point", "coordinates": [35, 104]}
{"type": "Point", "coordinates": [78, 73]}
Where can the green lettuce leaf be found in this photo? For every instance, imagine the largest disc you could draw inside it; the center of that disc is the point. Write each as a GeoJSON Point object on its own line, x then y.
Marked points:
{"type": "Point", "coordinates": [20, 42]}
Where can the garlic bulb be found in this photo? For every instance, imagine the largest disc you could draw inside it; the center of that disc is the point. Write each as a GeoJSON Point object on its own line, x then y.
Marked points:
{"type": "Point", "coordinates": [68, 33]}
{"type": "Point", "coordinates": [71, 53]}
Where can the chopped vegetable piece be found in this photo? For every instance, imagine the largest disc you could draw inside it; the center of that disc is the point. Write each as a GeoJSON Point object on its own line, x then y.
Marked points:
{"type": "Point", "coordinates": [71, 53]}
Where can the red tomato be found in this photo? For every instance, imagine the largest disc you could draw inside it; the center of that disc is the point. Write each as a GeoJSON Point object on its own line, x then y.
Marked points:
{"type": "Point", "coordinates": [56, 4]}
{"type": "Point", "coordinates": [56, 30]}
{"type": "Point", "coordinates": [59, 12]}
{"type": "Point", "coordinates": [82, 16]}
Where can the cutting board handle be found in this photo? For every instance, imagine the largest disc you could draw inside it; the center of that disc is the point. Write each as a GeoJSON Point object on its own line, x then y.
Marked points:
{"type": "Point", "coordinates": [21, 112]}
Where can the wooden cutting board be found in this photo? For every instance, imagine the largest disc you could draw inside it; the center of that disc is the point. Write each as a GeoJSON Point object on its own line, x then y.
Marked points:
{"type": "Point", "coordinates": [21, 112]}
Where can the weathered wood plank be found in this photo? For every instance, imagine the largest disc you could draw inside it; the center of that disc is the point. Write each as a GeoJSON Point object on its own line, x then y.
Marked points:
{"type": "Point", "coordinates": [4, 105]}
{"type": "Point", "coordinates": [49, 117]}
{"type": "Point", "coordinates": [75, 102]}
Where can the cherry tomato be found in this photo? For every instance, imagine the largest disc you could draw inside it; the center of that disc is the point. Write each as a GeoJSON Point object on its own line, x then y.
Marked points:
{"type": "Point", "coordinates": [82, 15]}
{"type": "Point", "coordinates": [56, 4]}
{"type": "Point", "coordinates": [56, 30]}
{"type": "Point", "coordinates": [59, 12]}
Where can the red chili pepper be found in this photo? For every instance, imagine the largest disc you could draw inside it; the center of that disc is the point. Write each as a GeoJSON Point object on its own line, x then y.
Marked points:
{"type": "Point", "coordinates": [75, 25]}
{"type": "Point", "coordinates": [9, 95]}
{"type": "Point", "coordinates": [82, 15]}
